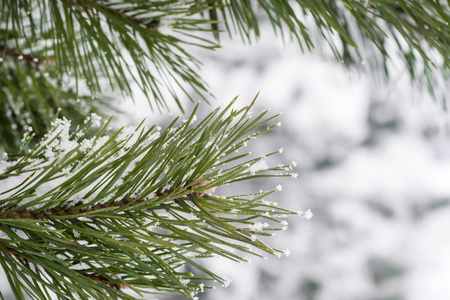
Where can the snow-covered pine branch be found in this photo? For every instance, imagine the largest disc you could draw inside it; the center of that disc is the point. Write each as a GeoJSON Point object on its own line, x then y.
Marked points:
{"type": "Point", "coordinates": [99, 212]}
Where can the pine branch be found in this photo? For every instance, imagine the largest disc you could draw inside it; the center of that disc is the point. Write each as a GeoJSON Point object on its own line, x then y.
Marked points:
{"type": "Point", "coordinates": [87, 211]}
{"type": "Point", "coordinates": [92, 40]}
{"type": "Point", "coordinates": [29, 59]}
{"type": "Point", "coordinates": [97, 213]}
{"type": "Point", "coordinates": [71, 47]}
{"type": "Point", "coordinates": [30, 97]}
{"type": "Point", "coordinates": [97, 5]}
{"type": "Point", "coordinates": [356, 30]}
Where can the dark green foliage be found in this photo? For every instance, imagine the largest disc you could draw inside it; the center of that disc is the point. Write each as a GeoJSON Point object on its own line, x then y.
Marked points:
{"type": "Point", "coordinates": [90, 48]}
{"type": "Point", "coordinates": [89, 217]}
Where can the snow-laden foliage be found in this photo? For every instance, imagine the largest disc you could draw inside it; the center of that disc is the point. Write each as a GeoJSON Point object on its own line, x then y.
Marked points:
{"type": "Point", "coordinates": [87, 212]}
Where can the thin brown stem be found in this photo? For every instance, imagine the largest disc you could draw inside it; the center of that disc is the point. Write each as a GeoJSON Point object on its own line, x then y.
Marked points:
{"type": "Point", "coordinates": [126, 201]}
{"type": "Point", "coordinates": [16, 56]}
{"type": "Point", "coordinates": [96, 277]}
{"type": "Point", "coordinates": [65, 211]}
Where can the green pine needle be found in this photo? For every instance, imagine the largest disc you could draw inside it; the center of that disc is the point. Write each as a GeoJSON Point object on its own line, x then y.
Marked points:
{"type": "Point", "coordinates": [98, 214]}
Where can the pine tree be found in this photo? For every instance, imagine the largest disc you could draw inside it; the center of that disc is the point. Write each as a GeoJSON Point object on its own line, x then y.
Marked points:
{"type": "Point", "coordinates": [92, 212]}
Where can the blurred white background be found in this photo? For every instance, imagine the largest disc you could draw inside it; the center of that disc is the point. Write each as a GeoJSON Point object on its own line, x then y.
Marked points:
{"type": "Point", "coordinates": [374, 167]}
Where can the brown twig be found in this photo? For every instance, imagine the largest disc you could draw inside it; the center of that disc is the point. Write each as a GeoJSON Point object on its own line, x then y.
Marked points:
{"type": "Point", "coordinates": [27, 58]}
{"type": "Point", "coordinates": [96, 277]}
{"type": "Point", "coordinates": [125, 201]}
{"type": "Point", "coordinates": [100, 279]}
{"type": "Point", "coordinates": [65, 211]}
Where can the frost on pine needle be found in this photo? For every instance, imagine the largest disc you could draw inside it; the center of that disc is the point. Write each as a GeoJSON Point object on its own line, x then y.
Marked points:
{"type": "Point", "coordinates": [192, 121]}
{"type": "Point", "coordinates": [307, 215]}
{"type": "Point", "coordinates": [285, 224]}
{"type": "Point", "coordinates": [94, 119]}
{"type": "Point", "coordinates": [226, 282]}
{"type": "Point", "coordinates": [259, 225]}
{"type": "Point", "coordinates": [269, 203]}
{"type": "Point", "coordinates": [86, 144]}
{"type": "Point", "coordinates": [258, 167]}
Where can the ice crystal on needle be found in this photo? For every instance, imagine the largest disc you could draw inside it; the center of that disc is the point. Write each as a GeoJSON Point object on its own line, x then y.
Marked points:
{"type": "Point", "coordinates": [259, 225]}
{"type": "Point", "coordinates": [258, 166]}
{"type": "Point", "coordinates": [307, 215]}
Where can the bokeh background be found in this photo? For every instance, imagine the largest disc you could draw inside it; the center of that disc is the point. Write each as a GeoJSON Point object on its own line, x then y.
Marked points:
{"type": "Point", "coordinates": [373, 158]}
{"type": "Point", "coordinates": [373, 164]}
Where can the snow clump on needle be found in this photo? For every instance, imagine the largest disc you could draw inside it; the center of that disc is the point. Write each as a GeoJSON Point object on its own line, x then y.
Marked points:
{"type": "Point", "coordinates": [258, 167]}
{"type": "Point", "coordinates": [259, 225]}
{"type": "Point", "coordinates": [95, 119]}
{"type": "Point", "coordinates": [307, 214]}
{"type": "Point", "coordinates": [58, 147]}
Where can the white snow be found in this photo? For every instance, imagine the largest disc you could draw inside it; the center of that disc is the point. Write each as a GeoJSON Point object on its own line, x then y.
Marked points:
{"type": "Point", "coordinates": [259, 225]}
{"type": "Point", "coordinates": [260, 165]}
{"type": "Point", "coordinates": [379, 197]}
{"type": "Point", "coordinates": [307, 214]}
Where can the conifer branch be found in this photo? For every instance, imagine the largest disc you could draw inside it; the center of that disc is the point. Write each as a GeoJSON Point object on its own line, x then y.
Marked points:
{"type": "Point", "coordinates": [16, 56]}
{"type": "Point", "coordinates": [97, 6]}
{"type": "Point", "coordinates": [125, 203]}
{"type": "Point", "coordinates": [84, 42]}
{"type": "Point", "coordinates": [92, 276]}
{"type": "Point", "coordinates": [131, 209]}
